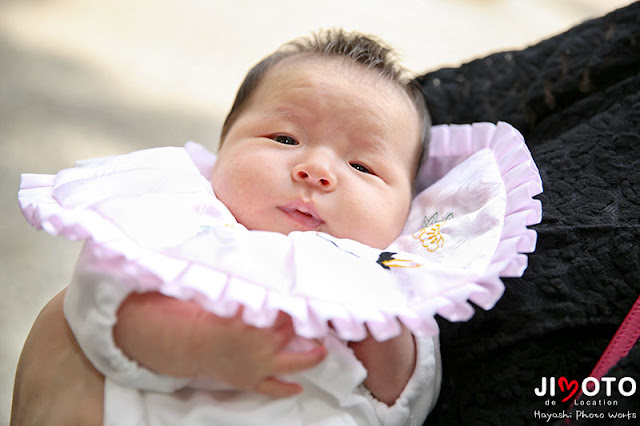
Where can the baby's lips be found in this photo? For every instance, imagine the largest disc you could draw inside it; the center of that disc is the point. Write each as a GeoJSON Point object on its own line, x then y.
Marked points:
{"type": "Point", "coordinates": [302, 213]}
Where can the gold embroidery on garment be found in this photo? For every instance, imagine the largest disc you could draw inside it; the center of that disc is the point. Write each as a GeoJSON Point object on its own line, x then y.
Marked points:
{"type": "Point", "coordinates": [431, 238]}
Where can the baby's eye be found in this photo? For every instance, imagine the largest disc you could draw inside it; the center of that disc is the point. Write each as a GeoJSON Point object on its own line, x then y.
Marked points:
{"type": "Point", "coordinates": [359, 167]}
{"type": "Point", "coordinates": [284, 139]}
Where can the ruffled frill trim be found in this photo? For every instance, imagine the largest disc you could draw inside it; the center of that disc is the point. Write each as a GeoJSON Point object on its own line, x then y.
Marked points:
{"type": "Point", "coordinates": [451, 146]}
{"type": "Point", "coordinates": [453, 143]}
{"type": "Point", "coordinates": [177, 265]}
{"type": "Point", "coordinates": [522, 182]}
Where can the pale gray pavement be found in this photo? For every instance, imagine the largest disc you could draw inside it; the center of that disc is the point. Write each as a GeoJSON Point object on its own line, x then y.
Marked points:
{"type": "Point", "coordinates": [87, 78]}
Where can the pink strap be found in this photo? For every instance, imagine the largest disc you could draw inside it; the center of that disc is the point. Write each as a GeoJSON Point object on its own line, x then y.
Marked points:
{"type": "Point", "coordinates": [622, 342]}
{"type": "Point", "coordinates": [624, 339]}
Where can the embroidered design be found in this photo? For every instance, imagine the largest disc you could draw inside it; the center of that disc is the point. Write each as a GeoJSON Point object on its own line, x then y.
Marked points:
{"type": "Point", "coordinates": [204, 230]}
{"type": "Point", "coordinates": [431, 238]}
{"type": "Point", "coordinates": [433, 219]}
{"type": "Point", "coordinates": [430, 235]}
{"type": "Point", "coordinates": [207, 229]}
{"type": "Point", "coordinates": [387, 261]}
{"type": "Point", "coordinates": [336, 245]}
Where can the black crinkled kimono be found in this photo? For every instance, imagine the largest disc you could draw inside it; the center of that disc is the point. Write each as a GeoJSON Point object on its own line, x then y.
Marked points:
{"type": "Point", "coordinates": [576, 99]}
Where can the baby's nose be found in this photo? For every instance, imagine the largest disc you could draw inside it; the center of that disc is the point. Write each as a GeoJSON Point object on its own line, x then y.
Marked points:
{"type": "Point", "coordinates": [318, 174]}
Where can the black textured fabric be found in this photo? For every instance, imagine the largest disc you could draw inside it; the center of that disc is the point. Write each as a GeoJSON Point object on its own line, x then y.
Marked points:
{"type": "Point", "coordinates": [576, 99]}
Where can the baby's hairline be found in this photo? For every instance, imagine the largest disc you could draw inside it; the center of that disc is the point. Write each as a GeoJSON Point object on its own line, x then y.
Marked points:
{"type": "Point", "coordinates": [367, 51]}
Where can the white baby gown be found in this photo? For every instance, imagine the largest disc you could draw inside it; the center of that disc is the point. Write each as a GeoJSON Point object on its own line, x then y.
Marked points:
{"type": "Point", "coordinates": [151, 222]}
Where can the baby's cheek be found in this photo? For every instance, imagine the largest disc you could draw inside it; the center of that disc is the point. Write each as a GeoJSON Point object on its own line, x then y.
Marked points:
{"type": "Point", "coordinates": [225, 189]}
{"type": "Point", "coordinates": [393, 232]}
{"type": "Point", "coordinates": [386, 227]}
{"type": "Point", "coordinates": [395, 220]}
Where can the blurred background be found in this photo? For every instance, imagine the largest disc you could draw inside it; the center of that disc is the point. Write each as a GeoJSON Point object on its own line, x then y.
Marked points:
{"type": "Point", "coordinates": [88, 78]}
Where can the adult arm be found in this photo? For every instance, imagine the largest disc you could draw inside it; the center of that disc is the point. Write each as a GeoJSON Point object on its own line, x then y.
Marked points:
{"type": "Point", "coordinates": [55, 383]}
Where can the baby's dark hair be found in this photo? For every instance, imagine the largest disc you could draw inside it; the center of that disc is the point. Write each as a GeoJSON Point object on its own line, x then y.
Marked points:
{"type": "Point", "coordinates": [352, 46]}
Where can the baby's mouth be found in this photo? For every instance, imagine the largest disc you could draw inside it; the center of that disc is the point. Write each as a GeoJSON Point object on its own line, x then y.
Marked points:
{"type": "Point", "coordinates": [303, 214]}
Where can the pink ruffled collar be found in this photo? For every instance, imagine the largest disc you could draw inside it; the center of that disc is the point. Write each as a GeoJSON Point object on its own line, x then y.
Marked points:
{"type": "Point", "coordinates": [153, 214]}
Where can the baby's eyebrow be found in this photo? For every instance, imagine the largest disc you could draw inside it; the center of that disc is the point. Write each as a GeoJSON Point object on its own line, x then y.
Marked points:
{"type": "Point", "coordinates": [368, 134]}
{"type": "Point", "coordinates": [286, 114]}
{"type": "Point", "coordinates": [372, 143]}
{"type": "Point", "coordinates": [286, 111]}
{"type": "Point", "coordinates": [281, 111]}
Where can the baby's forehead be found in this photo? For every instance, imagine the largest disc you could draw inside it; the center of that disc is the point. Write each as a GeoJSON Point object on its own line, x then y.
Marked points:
{"type": "Point", "coordinates": [331, 67]}
{"type": "Point", "coordinates": [324, 79]}
{"type": "Point", "coordinates": [332, 82]}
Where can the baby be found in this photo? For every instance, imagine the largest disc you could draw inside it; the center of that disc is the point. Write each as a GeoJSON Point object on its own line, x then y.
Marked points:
{"type": "Point", "coordinates": [325, 135]}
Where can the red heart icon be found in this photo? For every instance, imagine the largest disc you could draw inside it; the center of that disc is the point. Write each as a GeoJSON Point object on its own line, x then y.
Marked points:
{"type": "Point", "coordinates": [565, 384]}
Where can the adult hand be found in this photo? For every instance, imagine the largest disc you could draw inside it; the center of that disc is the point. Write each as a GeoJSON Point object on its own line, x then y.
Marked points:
{"type": "Point", "coordinates": [55, 384]}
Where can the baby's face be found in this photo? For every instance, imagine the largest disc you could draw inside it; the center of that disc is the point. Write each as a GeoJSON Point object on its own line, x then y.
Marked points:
{"type": "Point", "coordinates": [324, 146]}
